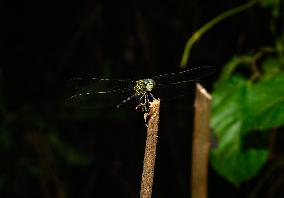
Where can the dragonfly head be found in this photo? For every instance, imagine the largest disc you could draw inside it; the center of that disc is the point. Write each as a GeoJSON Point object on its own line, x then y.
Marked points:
{"type": "Point", "coordinates": [143, 86]}
{"type": "Point", "coordinates": [149, 84]}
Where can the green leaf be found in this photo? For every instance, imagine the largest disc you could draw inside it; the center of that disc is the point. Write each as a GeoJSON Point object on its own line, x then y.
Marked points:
{"type": "Point", "coordinates": [265, 104]}
{"type": "Point", "coordinates": [271, 66]}
{"type": "Point", "coordinates": [228, 117]}
{"type": "Point", "coordinates": [238, 166]}
{"type": "Point", "coordinates": [279, 45]}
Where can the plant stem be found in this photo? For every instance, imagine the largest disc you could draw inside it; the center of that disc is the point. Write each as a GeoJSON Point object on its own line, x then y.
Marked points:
{"type": "Point", "coordinates": [201, 143]}
{"type": "Point", "coordinates": [150, 150]}
{"type": "Point", "coordinates": [197, 35]}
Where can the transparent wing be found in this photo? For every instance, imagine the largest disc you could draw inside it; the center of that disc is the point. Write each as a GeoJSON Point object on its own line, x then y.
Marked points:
{"type": "Point", "coordinates": [98, 85]}
{"type": "Point", "coordinates": [178, 84]}
{"type": "Point", "coordinates": [193, 74]}
{"type": "Point", "coordinates": [174, 90]}
{"type": "Point", "coordinates": [98, 93]}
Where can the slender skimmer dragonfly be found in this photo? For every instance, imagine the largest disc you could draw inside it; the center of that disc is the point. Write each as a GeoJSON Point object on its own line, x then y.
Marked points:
{"type": "Point", "coordinates": [95, 92]}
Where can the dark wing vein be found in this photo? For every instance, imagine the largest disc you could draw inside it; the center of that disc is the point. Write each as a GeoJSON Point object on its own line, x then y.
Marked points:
{"type": "Point", "coordinates": [174, 90]}
{"type": "Point", "coordinates": [95, 92]}
{"type": "Point", "coordinates": [98, 85]}
{"type": "Point", "coordinates": [174, 85]}
{"type": "Point", "coordinates": [194, 74]}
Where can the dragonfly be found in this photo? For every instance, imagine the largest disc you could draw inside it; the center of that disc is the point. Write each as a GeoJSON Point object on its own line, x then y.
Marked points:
{"type": "Point", "coordinates": [96, 92]}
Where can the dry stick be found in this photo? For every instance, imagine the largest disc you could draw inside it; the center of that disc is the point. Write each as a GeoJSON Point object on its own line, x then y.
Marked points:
{"type": "Point", "coordinates": [150, 150]}
{"type": "Point", "coordinates": [201, 143]}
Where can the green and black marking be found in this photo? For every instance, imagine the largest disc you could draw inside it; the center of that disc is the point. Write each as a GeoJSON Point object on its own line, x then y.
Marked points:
{"type": "Point", "coordinates": [142, 92]}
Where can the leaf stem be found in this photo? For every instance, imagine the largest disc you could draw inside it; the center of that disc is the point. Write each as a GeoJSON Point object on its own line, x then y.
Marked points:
{"type": "Point", "coordinates": [197, 35]}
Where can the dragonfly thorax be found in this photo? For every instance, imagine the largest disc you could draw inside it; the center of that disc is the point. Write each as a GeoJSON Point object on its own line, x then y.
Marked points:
{"type": "Point", "coordinates": [143, 86]}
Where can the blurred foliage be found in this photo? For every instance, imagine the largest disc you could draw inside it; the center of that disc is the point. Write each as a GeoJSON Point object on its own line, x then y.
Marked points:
{"type": "Point", "coordinates": [275, 6]}
{"type": "Point", "coordinates": [34, 154]}
{"type": "Point", "coordinates": [248, 104]}
{"type": "Point", "coordinates": [70, 155]}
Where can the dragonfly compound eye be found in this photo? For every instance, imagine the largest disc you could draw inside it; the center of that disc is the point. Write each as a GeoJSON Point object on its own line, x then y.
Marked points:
{"type": "Point", "coordinates": [149, 84]}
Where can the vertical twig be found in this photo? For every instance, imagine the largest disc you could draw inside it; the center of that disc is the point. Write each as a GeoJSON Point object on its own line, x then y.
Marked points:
{"type": "Point", "coordinates": [201, 143]}
{"type": "Point", "coordinates": [150, 150]}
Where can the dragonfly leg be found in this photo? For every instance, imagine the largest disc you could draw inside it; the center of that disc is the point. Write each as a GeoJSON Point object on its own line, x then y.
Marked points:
{"type": "Point", "coordinates": [151, 97]}
{"type": "Point", "coordinates": [141, 104]}
{"type": "Point", "coordinates": [147, 103]}
{"type": "Point", "coordinates": [145, 106]}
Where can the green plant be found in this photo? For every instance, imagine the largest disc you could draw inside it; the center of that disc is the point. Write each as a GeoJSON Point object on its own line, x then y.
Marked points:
{"type": "Point", "coordinates": [246, 106]}
{"type": "Point", "coordinates": [242, 107]}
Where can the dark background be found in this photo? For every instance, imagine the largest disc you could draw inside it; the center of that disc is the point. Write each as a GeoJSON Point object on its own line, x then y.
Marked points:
{"type": "Point", "coordinates": [53, 151]}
